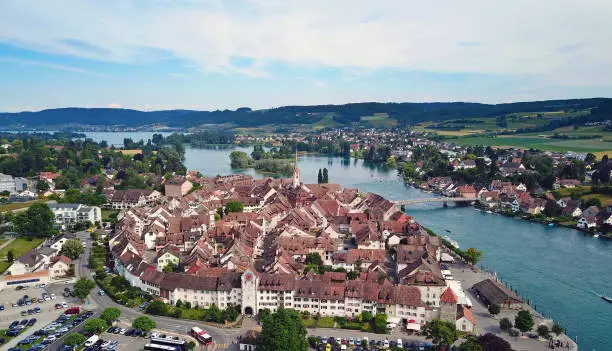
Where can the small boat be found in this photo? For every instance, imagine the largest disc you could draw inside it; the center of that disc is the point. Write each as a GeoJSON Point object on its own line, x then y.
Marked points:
{"type": "Point", "coordinates": [606, 298]}
{"type": "Point", "coordinates": [551, 224]}
{"type": "Point", "coordinates": [596, 235]}
{"type": "Point", "coordinates": [489, 212]}
{"type": "Point", "coordinates": [448, 231]}
{"type": "Point", "coordinates": [476, 209]}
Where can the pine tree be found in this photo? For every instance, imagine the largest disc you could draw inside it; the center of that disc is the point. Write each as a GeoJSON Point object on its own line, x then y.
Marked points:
{"type": "Point", "coordinates": [320, 177]}
{"type": "Point", "coordinates": [325, 176]}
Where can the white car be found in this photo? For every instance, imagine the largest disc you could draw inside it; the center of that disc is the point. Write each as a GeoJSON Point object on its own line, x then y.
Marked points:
{"type": "Point", "coordinates": [51, 338]}
{"type": "Point", "coordinates": [64, 304]}
{"type": "Point", "coordinates": [400, 343]}
{"type": "Point", "coordinates": [122, 331]}
{"type": "Point", "coordinates": [155, 335]}
{"type": "Point", "coordinates": [386, 343]}
{"type": "Point", "coordinates": [52, 296]}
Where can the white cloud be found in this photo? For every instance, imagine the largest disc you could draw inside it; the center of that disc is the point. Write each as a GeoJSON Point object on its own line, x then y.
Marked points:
{"type": "Point", "coordinates": [560, 42]}
{"type": "Point", "coordinates": [49, 65]}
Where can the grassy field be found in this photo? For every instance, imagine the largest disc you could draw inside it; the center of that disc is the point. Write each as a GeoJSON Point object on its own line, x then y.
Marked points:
{"type": "Point", "coordinates": [514, 121]}
{"type": "Point", "coordinates": [19, 247]}
{"type": "Point", "coordinates": [603, 198]}
{"type": "Point", "coordinates": [17, 205]}
{"type": "Point", "coordinates": [106, 213]}
{"type": "Point", "coordinates": [326, 122]}
{"type": "Point", "coordinates": [527, 142]}
{"type": "Point", "coordinates": [379, 120]}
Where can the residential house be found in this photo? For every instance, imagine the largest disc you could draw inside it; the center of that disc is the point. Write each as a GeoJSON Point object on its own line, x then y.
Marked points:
{"type": "Point", "coordinates": [177, 186]}
{"type": "Point", "coordinates": [59, 266]}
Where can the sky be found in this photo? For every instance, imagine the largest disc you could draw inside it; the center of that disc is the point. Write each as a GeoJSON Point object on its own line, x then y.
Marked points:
{"type": "Point", "coordinates": [205, 55]}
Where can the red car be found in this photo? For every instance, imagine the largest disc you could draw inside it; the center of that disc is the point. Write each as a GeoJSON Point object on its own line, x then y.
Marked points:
{"type": "Point", "coordinates": [73, 310]}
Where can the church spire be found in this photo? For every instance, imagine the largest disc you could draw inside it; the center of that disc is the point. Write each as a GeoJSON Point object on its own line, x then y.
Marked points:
{"type": "Point", "coordinates": [296, 171]}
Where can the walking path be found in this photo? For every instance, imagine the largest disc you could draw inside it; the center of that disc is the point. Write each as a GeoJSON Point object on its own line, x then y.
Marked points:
{"type": "Point", "coordinates": [6, 243]}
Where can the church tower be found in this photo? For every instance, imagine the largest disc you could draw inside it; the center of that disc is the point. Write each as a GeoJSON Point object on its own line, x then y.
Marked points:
{"type": "Point", "coordinates": [296, 172]}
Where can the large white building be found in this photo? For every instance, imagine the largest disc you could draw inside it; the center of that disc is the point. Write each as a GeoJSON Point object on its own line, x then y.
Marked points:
{"type": "Point", "coordinates": [66, 214]}
{"type": "Point", "coordinates": [7, 183]}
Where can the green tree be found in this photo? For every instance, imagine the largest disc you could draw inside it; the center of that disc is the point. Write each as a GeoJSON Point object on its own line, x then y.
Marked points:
{"type": "Point", "coordinates": [472, 255]}
{"type": "Point", "coordinates": [234, 206]}
{"type": "Point", "coordinates": [42, 186]}
{"type": "Point", "coordinates": [191, 345]}
{"type": "Point", "coordinates": [143, 323]}
{"type": "Point", "coordinates": [83, 287]}
{"type": "Point", "coordinates": [493, 342]}
{"type": "Point", "coordinates": [158, 308]}
{"type": "Point", "coordinates": [366, 316]}
{"type": "Point", "coordinates": [325, 176]}
{"type": "Point", "coordinates": [594, 201]}
{"type": "Point", "coordinates": [543, 331]}
{"type": "Point", "coordinates": [74, 339]}
{"type": "Point", "coordinates": [494, 309]}
{"type": "Point", "coordinates": [380, 323]}
{"type": "Point", "coordinates": [110, 314]}
{"type": "Point", "coordinates": [470, 344]}
{"type": "Point", "coordinates": [505, 324]}
{"type": "Point", "coordinates": [282, 330]}
{"type": "Point", "coordinates": [10, 256]}
{"type": "Point", "coordinates": [441, 332]}
{"type": "Point", "coordinates": [320, 177]}
{"type": "Point", "coordinates": [313, 258]}
{"type": "Point", "coordinates": [523, 321]}
{"type": "Point", "coordinates": [95, 325]}
{"type": "Point", "coordinates": [557, 329]}
{"type": "Point", "coordinates": [37, 220]}
{"type": "Point", "coordinates": [72, 248]}
{"type": "Point", "coordinates": [170, 267]}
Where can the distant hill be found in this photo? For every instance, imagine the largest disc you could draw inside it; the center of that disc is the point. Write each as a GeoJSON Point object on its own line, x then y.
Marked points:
{"type": "Point", "coordinates": [403, 113]}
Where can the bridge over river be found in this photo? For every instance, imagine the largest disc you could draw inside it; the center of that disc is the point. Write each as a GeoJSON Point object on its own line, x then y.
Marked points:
{"type": "Point", "coordinates": [434, 199]}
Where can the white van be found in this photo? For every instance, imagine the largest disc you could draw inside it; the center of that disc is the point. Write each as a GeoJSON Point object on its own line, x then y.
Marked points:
{"type": "Point", "coordinates": [343, 348]}
{"type": "Point", "coordinates": [92, 340]}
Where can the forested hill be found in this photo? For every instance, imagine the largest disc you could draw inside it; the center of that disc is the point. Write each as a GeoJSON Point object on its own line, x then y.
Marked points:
{"type": "Point", "coordinates": [403, 113]}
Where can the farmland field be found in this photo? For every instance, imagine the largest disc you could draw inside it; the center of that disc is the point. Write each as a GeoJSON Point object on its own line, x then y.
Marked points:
{"type": "Point", "coordinates": [527, 142]}
{"type": "Point", "coordinates": [379, 121]}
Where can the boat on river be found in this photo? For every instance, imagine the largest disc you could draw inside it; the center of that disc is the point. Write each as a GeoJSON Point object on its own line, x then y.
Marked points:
{"type": "Point", "coordinates": [448, 231]}
{"type": "Point", "coordinates": [596, 235]}
{"type": "Point", "coordinates": [604, 297]}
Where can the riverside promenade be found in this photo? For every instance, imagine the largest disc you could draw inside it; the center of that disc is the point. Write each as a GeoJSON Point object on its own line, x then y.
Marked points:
{"type": "Point", "coordinates": [469, 276]}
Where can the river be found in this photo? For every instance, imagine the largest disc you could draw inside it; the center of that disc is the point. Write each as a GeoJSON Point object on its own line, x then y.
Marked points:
{"type": "Point", "coordinates": [560, 270]}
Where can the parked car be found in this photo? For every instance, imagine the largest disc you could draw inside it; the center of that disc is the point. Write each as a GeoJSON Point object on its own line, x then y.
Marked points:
{"type": "Point", "coordinates": [73, 310]}
{"type": "Point", "coordinates": [31, 322]}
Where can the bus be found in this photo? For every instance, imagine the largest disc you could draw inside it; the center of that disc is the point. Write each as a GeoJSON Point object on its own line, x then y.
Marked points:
{"type": "Point", "coordinates": [180, 345]}
{"type": "Point", "coordinates": [157, 347]}
{"type": "Point", "coordinates": [201, 336]}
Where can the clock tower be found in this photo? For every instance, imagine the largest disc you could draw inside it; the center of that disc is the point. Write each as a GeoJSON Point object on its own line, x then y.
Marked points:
{"type": "Point", "coordinates": [250, 282]}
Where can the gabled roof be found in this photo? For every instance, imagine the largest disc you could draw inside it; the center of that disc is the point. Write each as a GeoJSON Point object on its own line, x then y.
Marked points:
{"type": "Point", "coordinates": [449, 296]}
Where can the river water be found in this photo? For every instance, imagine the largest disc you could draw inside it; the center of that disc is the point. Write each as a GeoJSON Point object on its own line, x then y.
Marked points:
{"type": "Point", "coordinates": [560, 270]}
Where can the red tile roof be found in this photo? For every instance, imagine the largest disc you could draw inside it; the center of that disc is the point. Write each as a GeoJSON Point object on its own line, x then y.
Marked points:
{"type": "Point", "coordinates": [449, 296]}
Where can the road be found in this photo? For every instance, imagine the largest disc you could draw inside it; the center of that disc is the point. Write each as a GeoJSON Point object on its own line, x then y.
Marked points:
{"type": "Point", "coordinates": [222, 337]}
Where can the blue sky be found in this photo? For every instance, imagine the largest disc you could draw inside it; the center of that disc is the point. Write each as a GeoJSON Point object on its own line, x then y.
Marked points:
{"type": "Point", "coordinates": [205, 55]}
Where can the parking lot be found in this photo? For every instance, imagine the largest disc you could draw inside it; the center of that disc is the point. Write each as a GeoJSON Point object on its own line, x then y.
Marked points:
{"type": "Point", "coordinates": [124, 342]}
{"type": "Point", "coordinates": [43, 311]}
